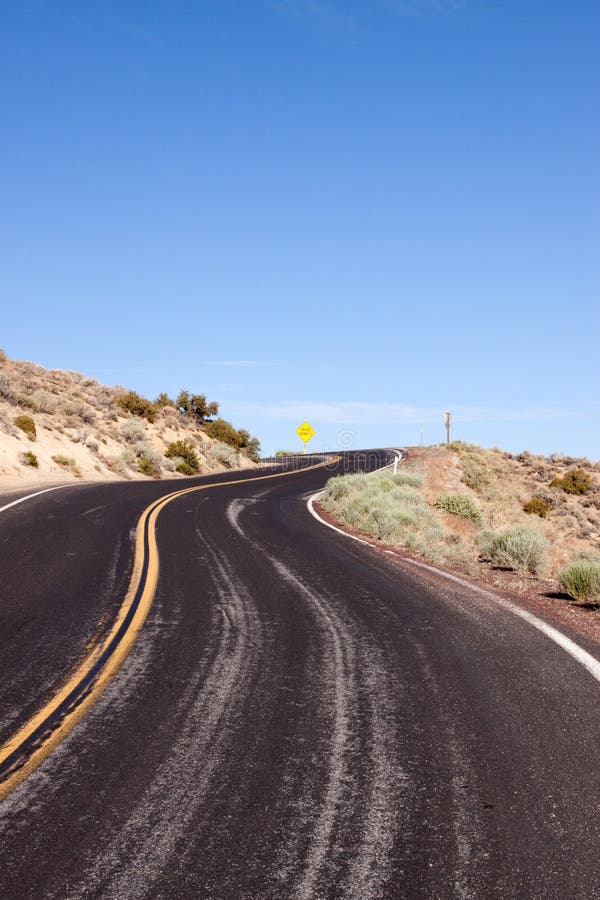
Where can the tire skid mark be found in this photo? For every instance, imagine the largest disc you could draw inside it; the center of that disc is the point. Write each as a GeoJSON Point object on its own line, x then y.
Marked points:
{"type": "Point", "coordinates": [468, 834]}
{"type": "Point", "coordinates": [348, 668]}
{"type": "Point", "coordinates": [389, 788]}
{"type": "Point", "coordinates": [340, 673]}
{"type": "Point", "coordinates": [146, 846]}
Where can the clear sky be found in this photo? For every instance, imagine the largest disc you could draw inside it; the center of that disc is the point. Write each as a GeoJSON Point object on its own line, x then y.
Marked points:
{"type": "Point", "coordinates": [357, 212]}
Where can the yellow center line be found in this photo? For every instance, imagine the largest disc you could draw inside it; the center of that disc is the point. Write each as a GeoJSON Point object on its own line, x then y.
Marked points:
{"type": "Point", "coordinates": [44, 731]}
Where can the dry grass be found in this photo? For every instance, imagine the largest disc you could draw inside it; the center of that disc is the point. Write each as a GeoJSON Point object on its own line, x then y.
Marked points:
{"type": "Point", "coordinates": [393, 509]}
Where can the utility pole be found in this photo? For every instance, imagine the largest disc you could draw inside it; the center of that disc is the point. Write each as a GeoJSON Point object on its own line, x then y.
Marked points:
{"type": "Point", "coordinates": [448, 417]}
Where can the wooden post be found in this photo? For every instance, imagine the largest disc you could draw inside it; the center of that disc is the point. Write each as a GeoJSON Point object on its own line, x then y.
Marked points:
{"type": "Point", "coordinates": [448, 417]}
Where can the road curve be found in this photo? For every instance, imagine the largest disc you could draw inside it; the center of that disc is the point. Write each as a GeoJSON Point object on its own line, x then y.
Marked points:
{"type": "Point", "coordinates": [298, 717]}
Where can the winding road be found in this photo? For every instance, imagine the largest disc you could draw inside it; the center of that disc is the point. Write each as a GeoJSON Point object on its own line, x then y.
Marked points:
{"type": "Point", "coordinates": [299, 717]}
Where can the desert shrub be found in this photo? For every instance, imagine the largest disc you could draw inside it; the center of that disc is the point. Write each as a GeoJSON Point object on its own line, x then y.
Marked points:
{"type": "Point", "coordinates": [248, 445]}
{"type": "Point", "coordinates": [86, 414]}
{"type": "Point", "coordinates": [575, 481]}
{"type": "Point", "coordinates": [519, 548]}
{"type": "Point", "coordinates": [458, 446]}
{"type": "Point", "coordinates": [30, 459]}
{"type": "Point", "coordinates": [26, 424]}
{"type": "Point", "coordinates": [222, 455]}
{"type": "Point", "coordinates": [3, 357]}
{"type": "Point", "coordinates": [185, 450]}
{"type": "Point", "coordinates": [164, 400]}
{"type": "Point", "coordinates": [581, 579]}
{"type": "Point", "coordinates": [133, 431]}
{"type": "Point", "coordinates": [148, 467]}
{"type": "Point", "coordinates": [475, 473]}
{"type": "Point", "coordinates": [337, 487]}
{"type": "Point", "coordinates": [116, 464]}
{"type": "Point", "coordinates": [170, 465]}
{"type": "Point", "coordinates": [459, 505]}
{"type": "Point", "coordinates": [150, 460]}
{"type": "Point", "coordinates": [184, 468]}
{"type": "Point", "coordinates": [409, 479]}
{"type": "Point", "coordinates": [6, 392]}
{"type": "Point", "coordinates": [223, 431]}
{"type": "Point", "coordinates": [80, 411]}
{"type": "Point", "coordinates": [137, 405]}
{"type": "Point", "coordinates": [65, 461]}
{"type": "Point", "coordinates": [394, 512]}
{"type": "Point", "coordinates": [43, 401]}
{"type": "Point", "coordinates": [129, 459]}
{"type": "Point", "coordinates": [537, 506]}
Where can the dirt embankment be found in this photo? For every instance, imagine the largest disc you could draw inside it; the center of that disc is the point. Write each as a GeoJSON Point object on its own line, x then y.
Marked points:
{"type": "Point", "coordinates": [80, 432]}
{"type": "Point", "coordinates": [499, 487]}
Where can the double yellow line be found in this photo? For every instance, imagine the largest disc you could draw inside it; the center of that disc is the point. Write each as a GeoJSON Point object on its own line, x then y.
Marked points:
{"type": "Point", "coordinates": [38, 737]}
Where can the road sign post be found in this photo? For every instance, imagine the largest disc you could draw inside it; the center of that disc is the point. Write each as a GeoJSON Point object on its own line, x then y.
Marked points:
{"type": "Point", "coordinates": [448, 417]}
{"type": "Point", "coordinates": [305, 432]}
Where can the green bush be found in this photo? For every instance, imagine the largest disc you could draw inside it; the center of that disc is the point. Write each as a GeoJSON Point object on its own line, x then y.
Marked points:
{"type": "Point", "coordinates": [190, 463]}
{"type": "Point", "coordinates": [519, 548]}
{"type": "Point", "coordinates": [575, 481]}
{"type": "Point", "coordinates": [460, 505]}
{"type": "Point", "coordinates": [134, 403]}
{"type": "Point", "coordinates": [185, 468]}
{"type": "Point", "coordinates": [239, 439]}
{"type": "Point", "coordinates": [30, 459]}
{"type": "Point", "coordinates": [537, 506]}
{"type": "Point", "coordinates": [26, 424]}
{"type": "Point", "coordinates": [581, 579]}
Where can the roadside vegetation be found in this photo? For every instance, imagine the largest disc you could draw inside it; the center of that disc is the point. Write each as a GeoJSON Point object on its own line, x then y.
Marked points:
{"type": "Point", "coordinates": [83, 429]}
{"type": "Point", "coordinates": [517, 518]}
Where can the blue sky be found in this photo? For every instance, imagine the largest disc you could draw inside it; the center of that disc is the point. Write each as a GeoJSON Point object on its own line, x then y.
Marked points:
{"type": "Point", "coordinates": [359, 213]}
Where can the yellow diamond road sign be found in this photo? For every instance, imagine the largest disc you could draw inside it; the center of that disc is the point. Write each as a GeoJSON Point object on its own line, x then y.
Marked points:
{"type": "Point", "coordinates": [305, 432]}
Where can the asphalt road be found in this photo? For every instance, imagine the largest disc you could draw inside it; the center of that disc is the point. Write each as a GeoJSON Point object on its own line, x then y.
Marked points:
{"type": "Point", "coordinates": [298, 718]}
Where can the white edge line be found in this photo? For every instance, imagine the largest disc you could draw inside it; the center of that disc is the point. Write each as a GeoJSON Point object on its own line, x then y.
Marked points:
{"type": "Point", "coordinates": [37, 494]}
{"type": "Point", "coordinates": [582, 656]}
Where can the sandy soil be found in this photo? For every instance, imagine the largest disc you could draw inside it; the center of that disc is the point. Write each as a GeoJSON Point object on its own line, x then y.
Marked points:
{"type": "Point", "coordinates": [81, 434]}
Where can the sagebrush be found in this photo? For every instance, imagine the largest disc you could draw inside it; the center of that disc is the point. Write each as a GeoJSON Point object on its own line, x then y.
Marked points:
{"type": "Point", "coordinates": [460, 505]}
{"type": "Point", "coordinates": [519, 548]}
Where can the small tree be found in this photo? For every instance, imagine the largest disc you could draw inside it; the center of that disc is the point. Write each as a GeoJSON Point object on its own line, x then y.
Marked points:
{"type": "Point", "coordinates": [164, 400]}
{"type": "Point", "coordinates": [196, 405]}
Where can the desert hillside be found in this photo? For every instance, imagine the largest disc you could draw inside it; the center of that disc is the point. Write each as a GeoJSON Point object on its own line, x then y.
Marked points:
{"type": "Point", "coordinates": [57, 426]}
{"type": "Point", "coordinates": [511, 519]}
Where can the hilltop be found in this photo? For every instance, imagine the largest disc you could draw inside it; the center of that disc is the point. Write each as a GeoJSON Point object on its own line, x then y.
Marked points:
{"type": "Point", "coordinates": [60, 426]}
{"type": "Point", "coordinates": [523, 523]}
